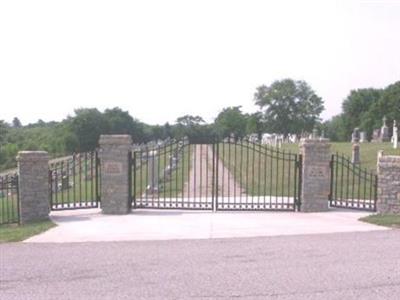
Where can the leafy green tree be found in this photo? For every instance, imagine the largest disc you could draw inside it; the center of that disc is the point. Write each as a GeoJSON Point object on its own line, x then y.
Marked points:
{"type": "Point", "coordinates": [189, 121]}
{"type": "Point", "coordinates": [388, 105]}
{"type": "Point", "coordinates": [289, 106]}
{"type": "Point", "coordinates": [356, 108]}
{"type": "Point", "coordinates": [3, 132]}
{"type": "Point", "coordinates": [255, 124]}
{"type": "Point", "coordinates": [118, 121]}
{"type": "Point", "coordinates": [187, 125]}
{"type": "Point", "coordinates": [231, 120]}
{"type": "Point", "coordinates": [87, 125]}
{"type": "Point", "coordinates": [334, 129]}
{"type": "Point", "coordinates": [16, 123]}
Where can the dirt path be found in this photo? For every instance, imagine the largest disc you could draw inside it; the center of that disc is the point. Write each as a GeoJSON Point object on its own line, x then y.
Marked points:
{"type": "Point", "coordinates": [201, 175]}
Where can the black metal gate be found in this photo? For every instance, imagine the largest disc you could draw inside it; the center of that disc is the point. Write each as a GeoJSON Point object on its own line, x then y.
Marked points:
{"type": "Point", "coordinates": [9, 202]}
{"type": "Point", "coordinates": [352, 186]}
{"type": "Point", "coordinates": [217, 176]}
{"type": "Point", "coordinates": [74, 182]}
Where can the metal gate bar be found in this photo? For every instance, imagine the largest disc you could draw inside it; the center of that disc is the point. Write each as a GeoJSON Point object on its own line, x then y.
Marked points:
{"type": "Point", "coordinates": [352, 186]}
{"type": "Point", "coordinates": [216, 176]}
{"type": "Point", "coordinates": [74, 182]}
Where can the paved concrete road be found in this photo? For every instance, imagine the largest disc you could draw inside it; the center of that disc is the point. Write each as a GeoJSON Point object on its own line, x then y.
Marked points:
{"type": "Point", "coordinates": [363, 265]}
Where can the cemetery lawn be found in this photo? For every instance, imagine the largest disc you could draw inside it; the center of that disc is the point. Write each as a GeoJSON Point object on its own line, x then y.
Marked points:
{"type": "Point", "coordinates": [16, 233]}
{"type": "Point", "coordinates": [368, 152]}
{"type": "Point", "coordinates": [383, 220]}
{"type": "Point", "coordinates": [277, 182]}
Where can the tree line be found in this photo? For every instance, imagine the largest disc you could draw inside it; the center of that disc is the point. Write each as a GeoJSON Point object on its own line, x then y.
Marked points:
{"type": "Point", "coordinates": [365, 109]}
{"type": "Point", "coordinates": [285, 107]}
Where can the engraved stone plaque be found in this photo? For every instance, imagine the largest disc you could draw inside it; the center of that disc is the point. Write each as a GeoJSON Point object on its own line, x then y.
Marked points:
{"type": "Point", "coordinates": [317, 172]}
{"type": "Point", "coordinates": [113, 168]}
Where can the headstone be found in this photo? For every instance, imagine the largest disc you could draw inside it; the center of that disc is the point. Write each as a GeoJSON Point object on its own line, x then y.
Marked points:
{"type": "Point", "coordinates": [152, 178]}
{"type": "Point", "coordinates": [355, 136]}
{"type": "Point", "coordinates": [384, 132]}
{"type": "Point", "coordinates": [355, 154]}
{"type": "Point", "coordinates": [315, 133]}
{"type": "Point", "coordinates": [363, 137]}
{"type": "Point", "coordinates": [376, 136]}
{"type": "Point", "coordinates": [395, 135]}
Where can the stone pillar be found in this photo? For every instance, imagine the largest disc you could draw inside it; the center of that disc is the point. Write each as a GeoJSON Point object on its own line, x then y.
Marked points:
{"type": "Point", "coordinates": [114, 162]}
{"type": "Point", "coordinates": [33, 186]}
{"type": "Point", "coordinates": [388, 184]}
{"type": "Point", "coordinates": [315, 175]}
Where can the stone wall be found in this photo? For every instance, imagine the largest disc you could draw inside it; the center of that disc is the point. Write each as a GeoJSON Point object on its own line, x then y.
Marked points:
{"type": "Point", "coordinates": [388, 185]}
{"type": "Point", "coordinates": [114, 150]}
{"type": "Point", "coordinates": [315, 174]}
{"type": "Point", "coordinates": [33, 168]}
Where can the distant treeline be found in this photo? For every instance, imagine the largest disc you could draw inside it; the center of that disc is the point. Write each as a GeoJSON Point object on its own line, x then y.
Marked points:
{"type": "Point", "coordinates": [365, 109]}
{"type": "Point", "coordinates": [286, 106]}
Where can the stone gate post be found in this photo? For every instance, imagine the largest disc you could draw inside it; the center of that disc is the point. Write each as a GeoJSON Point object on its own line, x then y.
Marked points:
{"type": "Point", "coordinates": [388, 184]}
{"type": "Point", "coordinates": [315, 175]}
{"type": "Point", "coordinates": [114, 162]}
{"type": "Point", "coordinates": [33, 186]}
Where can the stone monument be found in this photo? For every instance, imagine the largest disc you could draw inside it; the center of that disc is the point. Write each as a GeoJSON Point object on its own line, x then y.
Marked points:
{"type": "Point", "coordinates": [384, 137]}
{"type": "Point", "coordinates": [355, 136]}
{"type": "Point", "coordinates": [355, 154]}
{"type": "Point", "coordinates": [376, 136]}
{"type": "Point", "coordinates": [363, 137]}
{"type": "Point", "coordinates": [152, 179]}
{"type": "Point", "coordinates": [395, 135]}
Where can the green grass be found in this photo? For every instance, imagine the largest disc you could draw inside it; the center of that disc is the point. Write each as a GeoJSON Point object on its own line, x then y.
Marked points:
{"type": "Point", "coordinates": [261, 170]}
{"type": "Point", "coordinates": [383, 220]}
{"type": "Point", "coordinates": [81, 177]}
{"type": "Point", "coordinates": [8, 208]}
{"type": "Point", "coordinates": [260, 174]}
{"type": "Point", "coordinates": [16, 233]}
{"type": "Point", "coordinates": [368, 151]}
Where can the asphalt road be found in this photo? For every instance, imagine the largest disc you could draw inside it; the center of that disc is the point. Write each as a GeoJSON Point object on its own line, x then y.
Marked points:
{"type": "Point", "coordinates": [330, 266]}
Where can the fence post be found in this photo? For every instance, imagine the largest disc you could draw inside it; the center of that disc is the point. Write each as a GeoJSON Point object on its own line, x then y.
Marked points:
{"type": "Point", "coordinates": [33, 186]}
{"type": "Point", "coordinates": [114, 168]}
{"type": "Point", "coordinates": [315, 187]}
{"type": "Point", "coordinates": [388, 184]}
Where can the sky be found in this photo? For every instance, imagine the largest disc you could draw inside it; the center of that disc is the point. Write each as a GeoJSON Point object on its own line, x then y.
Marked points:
{"type": "Point", "coordinates": [164, 59]}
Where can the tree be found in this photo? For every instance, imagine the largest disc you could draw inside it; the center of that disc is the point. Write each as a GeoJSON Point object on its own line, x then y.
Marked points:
{"type": "Point", "coordinates": [289, 106]}
{"type": "Point", "coordinates": [334, 129]}
{"type": "Point", "coordinates": [87, 125]}
{"type": "Point", "coordinates": [387, 105]}
{"type": "Point", "coordinates": [118, 121]}
{"type": "Point", "coordinates": [231, 120]}
{"type": "Point", "coordinates": [3, 132]}
{"type": "Point", "coordinates": [16, 123]}
{"type": "Point", "coordinates": [189, 121]}
{"type": "Point", "coordinates": [255, 124]}
{"type": "Point", "coordinates": [355, 110]}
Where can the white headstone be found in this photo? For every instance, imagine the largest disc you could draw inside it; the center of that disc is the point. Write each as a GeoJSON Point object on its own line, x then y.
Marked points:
{"type": "Point", "coordinates": [395, 135]}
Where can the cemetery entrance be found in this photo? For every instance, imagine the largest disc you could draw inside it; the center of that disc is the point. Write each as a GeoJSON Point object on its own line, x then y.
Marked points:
{"type": "Point", "coordinates": [226, 175]}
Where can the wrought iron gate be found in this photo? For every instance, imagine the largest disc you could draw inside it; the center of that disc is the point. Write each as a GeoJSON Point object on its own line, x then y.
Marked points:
{"type": "Point", "coordinates": [352, 186]}
{"type": "Point", "coordinates": [218, 176]}
{"type": "Point", "coordinates": [74, 182]}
